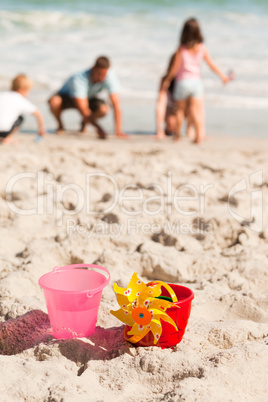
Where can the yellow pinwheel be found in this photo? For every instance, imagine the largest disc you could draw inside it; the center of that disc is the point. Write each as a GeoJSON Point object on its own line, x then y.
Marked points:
{"type": "Point", "coordinates": [141, 309]}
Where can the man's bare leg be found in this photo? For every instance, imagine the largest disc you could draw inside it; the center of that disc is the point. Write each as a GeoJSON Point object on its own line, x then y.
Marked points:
{"type": "Point", "coordinates": [55, 104]}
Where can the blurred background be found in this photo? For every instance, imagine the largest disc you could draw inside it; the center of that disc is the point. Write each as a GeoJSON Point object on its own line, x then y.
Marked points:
{"type": "Point", "coordinates": [50, 40]}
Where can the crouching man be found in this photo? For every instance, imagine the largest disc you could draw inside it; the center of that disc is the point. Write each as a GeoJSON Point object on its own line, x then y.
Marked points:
{"type": "Point", "coordinates": [80, 92]}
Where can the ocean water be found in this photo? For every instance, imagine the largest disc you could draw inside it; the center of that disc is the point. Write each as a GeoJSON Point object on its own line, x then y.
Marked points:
{"type": "Point", "coordinates": [49, 40]}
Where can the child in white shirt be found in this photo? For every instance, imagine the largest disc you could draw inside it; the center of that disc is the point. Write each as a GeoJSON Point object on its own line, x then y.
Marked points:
{"type": "Point", "coordinates": [13, 105]}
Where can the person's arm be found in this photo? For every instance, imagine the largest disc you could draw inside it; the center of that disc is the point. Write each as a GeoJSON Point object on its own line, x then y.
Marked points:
{"type": "Point", "coordinates": [117, 115]}
{"type": "Point", "coordinates": [175, 66]}
{"type": "Point", "coordinates": [40, 122]}
{"type": "Point", "coordinates": [214, 68]}
{"type": "Point", "coordinates": [83, 107]}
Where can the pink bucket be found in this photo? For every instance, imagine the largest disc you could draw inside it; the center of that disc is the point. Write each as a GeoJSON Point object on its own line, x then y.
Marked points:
{"type": "Point", "coordinates": [73, 296]}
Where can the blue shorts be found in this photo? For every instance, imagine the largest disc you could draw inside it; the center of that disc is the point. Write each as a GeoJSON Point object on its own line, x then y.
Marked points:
{"type": "Point", "coordinates": [188, 88]}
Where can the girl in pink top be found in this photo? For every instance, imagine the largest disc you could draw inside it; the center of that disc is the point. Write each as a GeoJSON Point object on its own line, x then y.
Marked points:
{"type": "Point", "coordinates": [186, 69]}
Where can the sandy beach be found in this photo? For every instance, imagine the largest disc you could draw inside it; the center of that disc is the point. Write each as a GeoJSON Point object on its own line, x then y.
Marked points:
{"type": "Point", "coordinates": [67, 200]}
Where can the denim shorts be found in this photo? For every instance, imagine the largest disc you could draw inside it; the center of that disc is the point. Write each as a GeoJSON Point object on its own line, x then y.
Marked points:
{"type": "Point", "coordinates": [188, 88]}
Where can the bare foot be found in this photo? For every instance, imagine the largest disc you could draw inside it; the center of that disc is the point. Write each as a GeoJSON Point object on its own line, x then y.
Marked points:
{"type": "Point", "coordinates": [60, 131]}
{"type": "Point", "coordinates": [102, 137]}
{"type": "Point", "coordinates": [190, 133]}
{"type": "Point", "coordinates": [160, 135]}
{"type": "Point", "coordinates": [122, 135]}
{"type": "Point", "coordinates": [177, 138]}
{"type": "Point", "coordinates": [10, 140]}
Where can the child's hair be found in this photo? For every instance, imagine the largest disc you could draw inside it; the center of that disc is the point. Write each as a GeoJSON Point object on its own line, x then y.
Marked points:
{"type": "Point", "coordinates": [21, 81]}
{"type": "Point", "coordinates": [191, 34]}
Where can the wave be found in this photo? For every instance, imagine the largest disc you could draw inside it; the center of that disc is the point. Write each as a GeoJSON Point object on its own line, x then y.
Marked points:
{"type": "Point", "coordinates": [138, 5]}
{"type": "Point", "coordinates": [43, 20]}
{"type": "Point", "coordinates": [237, 102]}
{"type": "Point", "coordinates": [72, 14]}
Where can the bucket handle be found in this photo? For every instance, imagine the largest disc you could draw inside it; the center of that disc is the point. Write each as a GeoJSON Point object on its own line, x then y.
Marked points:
{"type": "Point", "coordinates": [91, 293]}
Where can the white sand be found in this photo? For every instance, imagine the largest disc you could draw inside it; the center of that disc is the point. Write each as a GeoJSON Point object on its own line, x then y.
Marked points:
{"type": "Point", "coordinates": [224, 353]}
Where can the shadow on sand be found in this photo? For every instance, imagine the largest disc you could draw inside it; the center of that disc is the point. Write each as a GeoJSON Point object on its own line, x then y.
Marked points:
{"type": "Point", "coordinates": [33, 328]}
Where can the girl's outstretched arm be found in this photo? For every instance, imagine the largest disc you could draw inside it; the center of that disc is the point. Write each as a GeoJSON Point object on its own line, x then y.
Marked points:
{"type": "Point", "coordinates": [214, 68]}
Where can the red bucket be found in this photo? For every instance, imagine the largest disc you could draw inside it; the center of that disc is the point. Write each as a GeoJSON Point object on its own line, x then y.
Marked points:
{"type": "Point", "coordinates": [170, 337]}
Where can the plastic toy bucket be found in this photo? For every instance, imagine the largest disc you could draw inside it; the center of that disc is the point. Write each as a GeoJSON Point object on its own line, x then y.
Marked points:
{"type": "Point", "coordinates": [73, 295]}
{"type": "Point", "coordinates": [170, 337]}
